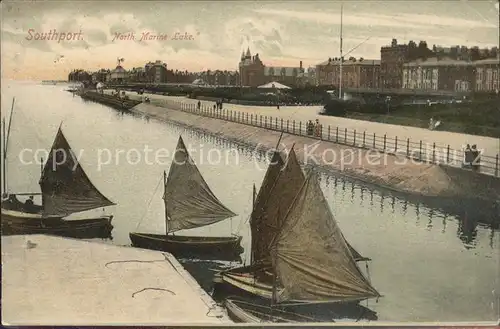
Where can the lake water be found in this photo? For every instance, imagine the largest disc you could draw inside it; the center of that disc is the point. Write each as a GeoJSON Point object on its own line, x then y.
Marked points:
{"type": "Point", "coordinates": [429, 265]}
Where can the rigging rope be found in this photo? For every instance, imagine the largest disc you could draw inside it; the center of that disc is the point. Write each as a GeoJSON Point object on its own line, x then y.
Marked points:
{"type": "Point", "coordinates": [369, 279]}
{"type": "Point", "coordinates": [149, 203]}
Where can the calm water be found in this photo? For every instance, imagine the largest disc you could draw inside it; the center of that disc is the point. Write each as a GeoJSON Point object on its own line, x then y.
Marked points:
{"type": "Point", "coordinates": [428, 264]}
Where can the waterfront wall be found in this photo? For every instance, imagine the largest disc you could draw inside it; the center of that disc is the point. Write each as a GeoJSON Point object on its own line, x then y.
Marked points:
{"type": "Point", "coordinates": [112, 101]}
{"type": "Point", "coordinates": [393, 171]}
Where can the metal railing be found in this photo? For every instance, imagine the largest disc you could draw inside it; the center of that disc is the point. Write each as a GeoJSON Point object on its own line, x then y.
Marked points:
{"type": "Point", "coordinates": [416, 150]}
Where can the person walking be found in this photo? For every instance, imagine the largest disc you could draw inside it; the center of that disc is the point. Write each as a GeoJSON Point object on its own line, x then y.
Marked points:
{"type": "Point", "coordinates": [468, 156]}
{"type": "Point", "coordinates": [310, 128]}
{"type": "Point", "coordinates": [318, 128]}
{"type": "Point", "coordinates": [476, 157]}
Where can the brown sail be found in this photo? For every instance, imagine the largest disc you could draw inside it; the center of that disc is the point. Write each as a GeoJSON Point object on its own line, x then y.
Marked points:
{"type": "Point", "coordinates": [188, 199]}
{"type": "Point", "coordinates": [66, 189]}
{"type": "Point", "coordinates": [257, 224]}
{"type": "Point", "coordinates": [311, 257]}
{"type": "Point", "coordinates": [289, 181]}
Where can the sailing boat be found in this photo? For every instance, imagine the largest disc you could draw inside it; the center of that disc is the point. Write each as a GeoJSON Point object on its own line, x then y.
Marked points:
{"type": "Point", "coordinates": [311, 261]}
{"type": "Point", "coordinates": [278, 190]}
{"type": "Point", "coordinates": [189, 203]}
{"type": "Point", "coordinates": [66, 189]}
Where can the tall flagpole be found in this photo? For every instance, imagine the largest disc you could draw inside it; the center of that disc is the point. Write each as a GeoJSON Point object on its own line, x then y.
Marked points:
{"type": "Point", "coordinates": [341, 56]}
{"type": "Point", "coordinates": [4, 160]}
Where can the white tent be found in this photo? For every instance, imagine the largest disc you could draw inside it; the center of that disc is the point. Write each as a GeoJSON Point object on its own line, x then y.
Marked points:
{"type": "Point", "coordinates": [274, 85]}
{"type": "Point", "coordinates": [199, 82]}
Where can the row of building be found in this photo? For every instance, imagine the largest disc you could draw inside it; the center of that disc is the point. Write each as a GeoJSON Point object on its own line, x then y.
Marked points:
{"type": "Point", "coordinates": [448, 70]}
{"type": "Point", "coordinates": [156, 72]}
{"type": "Point", "coordinates": [401, 66]}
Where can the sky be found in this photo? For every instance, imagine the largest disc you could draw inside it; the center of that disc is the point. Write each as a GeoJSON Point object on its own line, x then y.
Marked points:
{"type": "Point", "coordinates": [282, 33]}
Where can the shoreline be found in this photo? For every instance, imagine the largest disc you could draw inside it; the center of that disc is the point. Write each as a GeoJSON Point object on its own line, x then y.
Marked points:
{"type": "Point", "coordinates": [412, 177]}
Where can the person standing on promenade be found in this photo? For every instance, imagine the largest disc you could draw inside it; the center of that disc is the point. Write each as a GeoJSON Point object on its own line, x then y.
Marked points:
{"type": "Point", "coordinates": [476, 158]}
{"type": "Point", "coordinates": [468, 156]}
{"type": "Point", "coordinates": [318, 128]}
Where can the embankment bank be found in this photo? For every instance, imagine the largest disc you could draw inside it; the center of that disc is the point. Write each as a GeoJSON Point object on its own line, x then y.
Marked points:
{"type": "Point", "coordinates": [391, 171]}
{"type": "Point", "coordinates": [456, 141]}
{"type": "Point", "coordinates": [112, 101]}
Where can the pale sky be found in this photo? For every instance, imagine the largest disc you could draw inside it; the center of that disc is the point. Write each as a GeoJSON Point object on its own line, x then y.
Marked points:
{"type": "Point", "coordinates": [283, 33]}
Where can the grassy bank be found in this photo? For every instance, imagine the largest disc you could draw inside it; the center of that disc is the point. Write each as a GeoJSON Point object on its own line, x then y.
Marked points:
{"type": "Point", "coordinates": [475, 118]}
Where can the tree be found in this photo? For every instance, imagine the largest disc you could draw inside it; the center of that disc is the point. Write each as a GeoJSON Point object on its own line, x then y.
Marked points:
{"type": "Point", "coordinates": [474, 54]}
{"type": "Point", "coordinates": [494, 52]}
{"type": "Point", "coordinates": [412, 50]}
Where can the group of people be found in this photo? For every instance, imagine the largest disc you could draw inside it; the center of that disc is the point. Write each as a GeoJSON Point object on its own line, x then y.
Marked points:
{"type": "Point", "coordinates": [472, 156]}
{"type": "Point", "coordinates": [10, 201]}
{"type": "Point", "coordinates": [314, 128]}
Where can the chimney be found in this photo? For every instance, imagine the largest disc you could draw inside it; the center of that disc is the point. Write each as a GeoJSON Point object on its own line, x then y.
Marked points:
{"type": "Point", "coordinates": [300, 64]}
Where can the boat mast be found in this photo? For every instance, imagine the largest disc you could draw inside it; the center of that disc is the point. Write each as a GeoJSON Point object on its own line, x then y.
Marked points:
{"type": "Point", "coordinates": [4, 163]}
{"type": "Point", "coordinates": [5, 144]}
{"type": "Point", "coordinates": [165, 201]}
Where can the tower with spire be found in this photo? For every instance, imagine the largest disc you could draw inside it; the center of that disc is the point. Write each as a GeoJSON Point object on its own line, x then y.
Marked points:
{"type": "Point", "coordinates": [251, 69]}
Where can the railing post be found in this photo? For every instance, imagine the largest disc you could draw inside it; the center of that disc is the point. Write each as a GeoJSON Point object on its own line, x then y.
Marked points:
{"type": "Point", "coordinates": [300, 128]}
{"type": "Point", "coordinates": [345, 136]}
{"type": "Point", "coordinates": [385, 140]}
{"type": "Point", "coordinates": [448, 154]}
{"type": "Point", "coordinates": [396, 144]}
{"type": "Point", "coordinates": [265, 121]}
{"type": "Point", "coordinates": [328, 132]}
{"type": "Point", "coordinates": [337, 135]}
{"type": "Point", "coordinates": [354, 142]}
{"type": "Point", "coordinates": [407, 147]}
{"type": "Point", "coordinates": [261, 121]}
{"type": "Point", "coordinates": [374, 140]}
{"type": "Point", "coordinates": [420, 151]}
{"type": "Point", "coordinates": [247, 118]}
{"type": "Point", "coordinates": [251, 119]}
{"type": "Point", "coordinates": [364, 138]}
{"type": "Point", "coordinates": [293, 127]}
{"type": "Point", "coordinates": [287, 125]}
{"type": "Point", "coordinates": [434, 152]}
{"type": "Point", "coordinates": [281, 124]}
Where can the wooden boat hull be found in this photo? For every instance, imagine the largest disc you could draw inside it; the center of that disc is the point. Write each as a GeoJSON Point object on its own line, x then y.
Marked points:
{"type": "Point", "coordinates": [246, 312]}
{"type": "Point", "coordinates": [242, 281]}
{"type": "Point", "coordinates": [17, 222]}
{"type": "Point", "coordinates": [219, 248]}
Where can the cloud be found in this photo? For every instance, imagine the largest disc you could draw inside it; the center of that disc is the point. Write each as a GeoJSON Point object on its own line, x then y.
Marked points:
{"type": "Point", "coordinates": [261, 35]}
{"type": "Point", "coordinates": [282, 35]}
{"type": "Point", "coordinates": [416, 21]}
{"type": "Point", "coordinates": [334, 18]}
{"type": "Point", "coordinates": [435, 20]}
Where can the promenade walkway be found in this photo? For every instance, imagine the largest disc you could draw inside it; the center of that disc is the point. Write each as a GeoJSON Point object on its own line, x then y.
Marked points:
{"type": "Point", "coordinates": [423, 144]}
{"type": "Point", "coordinates": [457, 141]}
